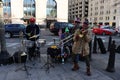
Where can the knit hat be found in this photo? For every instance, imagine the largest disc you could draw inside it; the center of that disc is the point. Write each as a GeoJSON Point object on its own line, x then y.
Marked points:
{"type": "Point", "coordinates": [77, 20]}
{"type": "Point", "coordinates": [85, 24]}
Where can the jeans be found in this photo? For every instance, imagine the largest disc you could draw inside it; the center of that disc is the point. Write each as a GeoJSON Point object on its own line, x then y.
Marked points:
{"type": "Point", "coordinates": [75, 58]}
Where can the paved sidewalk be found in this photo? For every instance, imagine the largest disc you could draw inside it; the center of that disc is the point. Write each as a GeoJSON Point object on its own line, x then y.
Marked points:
{"type": "Point", "coordinates": [61, 71]}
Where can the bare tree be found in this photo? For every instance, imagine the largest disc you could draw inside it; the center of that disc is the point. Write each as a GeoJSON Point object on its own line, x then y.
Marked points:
{"type": "Point", "coordinates": [4, 55]}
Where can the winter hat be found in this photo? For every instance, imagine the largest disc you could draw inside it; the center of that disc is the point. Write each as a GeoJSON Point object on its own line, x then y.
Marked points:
{"type": "Point", "coordinates": [77, 20]}
{"type": "Point", "coordinates": [85, 24]}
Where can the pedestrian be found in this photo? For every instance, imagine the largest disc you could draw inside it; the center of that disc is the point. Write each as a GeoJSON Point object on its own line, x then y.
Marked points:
{"type": "Point", "coordinates": [81, 47]}
{"type": "Point", "coordinates": [32, 34]}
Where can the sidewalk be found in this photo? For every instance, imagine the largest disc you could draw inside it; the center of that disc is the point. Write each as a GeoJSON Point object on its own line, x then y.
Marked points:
{"type": "Point", "coordinates": [62, 71]}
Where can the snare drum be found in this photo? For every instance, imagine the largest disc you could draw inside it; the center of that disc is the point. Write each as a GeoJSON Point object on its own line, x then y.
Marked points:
{"type": "Point", "coordinates": [41, 42]}
{"type": "Point", "coordinates": [28, 43]}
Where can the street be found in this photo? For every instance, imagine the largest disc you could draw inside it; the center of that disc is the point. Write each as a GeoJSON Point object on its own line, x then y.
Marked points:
{"type": "Point", "coordinates": [62, 71]}
{"type": "Point", "coordinates": [14, 43]}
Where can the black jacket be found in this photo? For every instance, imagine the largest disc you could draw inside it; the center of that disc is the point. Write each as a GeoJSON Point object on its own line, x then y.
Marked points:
{"type": "Point", "coordinates": [32, 29]}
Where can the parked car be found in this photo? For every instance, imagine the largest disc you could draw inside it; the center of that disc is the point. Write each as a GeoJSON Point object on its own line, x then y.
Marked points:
{"type": "Point", "coordinates": [14, 29]}
{"type": "Point", "coordinates": [105, 30]}
{"type": "Point", "coordinates": [118, 30]}
{"type": "Point", "coordinates": [56, 26]}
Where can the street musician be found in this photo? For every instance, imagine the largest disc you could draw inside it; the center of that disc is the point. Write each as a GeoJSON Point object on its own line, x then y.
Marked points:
{"type": "Point", "coordinates": [32, 34]}
{"type": "Point", "coordinates": [81, 39]}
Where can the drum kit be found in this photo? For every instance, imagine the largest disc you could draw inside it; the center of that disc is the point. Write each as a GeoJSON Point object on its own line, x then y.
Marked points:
{"type": "Point", "coordinates": [55, 53]}
{"type": "Point", "coordinates": [22, 55]}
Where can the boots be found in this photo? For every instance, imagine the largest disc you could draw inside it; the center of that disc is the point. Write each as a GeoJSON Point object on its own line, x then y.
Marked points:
{"type": "Point", "coordinates": [88, 71]}
{"type": "Point", "coordinates": [75, 67]}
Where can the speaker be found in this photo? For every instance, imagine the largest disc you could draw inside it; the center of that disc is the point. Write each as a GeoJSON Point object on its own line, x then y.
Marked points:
{"type": "Point", "coordinates": [101, 46]}
{"type": "Point", "coordinates": [20, 57]}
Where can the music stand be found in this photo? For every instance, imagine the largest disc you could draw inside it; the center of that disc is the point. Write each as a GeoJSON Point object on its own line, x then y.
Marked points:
{"type": "Point", "coordinates": [24, 67]}
{"type": "Point", "coordinates": [22, 54]}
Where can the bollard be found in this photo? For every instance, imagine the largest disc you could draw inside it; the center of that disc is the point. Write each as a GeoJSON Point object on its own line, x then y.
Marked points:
{"type": "Point", "coordinates": [111, 62]}
{"type": "Point", "coordinates": [95, 45]}
{"type": "Point", "coordinates": [101, 45]}
{"type": "Point", "coordinates": [118, 49]}
{"type": "Point", "coordinates": [90, 47]}
{"type": "Point", "coordinates": [109, 43]}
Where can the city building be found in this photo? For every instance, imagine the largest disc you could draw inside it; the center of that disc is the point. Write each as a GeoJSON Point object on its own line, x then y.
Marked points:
{"type": "Point", "coordinates": [104, 12]}
{"type": "Point", "coordinates": [19, 11]}
{"type": "Point", "coordinates": [77, 9]}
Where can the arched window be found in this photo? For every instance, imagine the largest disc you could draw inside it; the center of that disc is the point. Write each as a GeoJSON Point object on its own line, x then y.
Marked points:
{"type": "Point", "coordinates": [51, 9]}
{"type": "Point", "coordinates": [29, 8]}
{"type": "Point", "coordinates": [7, 10]}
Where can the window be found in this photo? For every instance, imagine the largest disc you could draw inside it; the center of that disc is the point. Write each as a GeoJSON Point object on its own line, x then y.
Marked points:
{"type": "Point", "coordinates": [115, 11]}
{"type": "Point", "coordinates": [51, 9]}
{"type": "Point", "coordinates": [114, 17]}
{"type": "Point", "coordinates": [7, 11]}
{"type": "Point", "coordinates": [29, 8]}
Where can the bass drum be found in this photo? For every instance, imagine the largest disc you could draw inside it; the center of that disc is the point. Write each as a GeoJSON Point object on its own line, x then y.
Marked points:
{"type": "Point", "coordinates": [53, 52]}
{"type": "Point", "coordinates": [56, 55]}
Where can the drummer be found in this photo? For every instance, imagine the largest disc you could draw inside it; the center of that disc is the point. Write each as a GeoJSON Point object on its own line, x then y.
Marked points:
{"type": "Point", "coordinates": [32, 34]}
{"type": "Point", "coordinates": [32, 30]}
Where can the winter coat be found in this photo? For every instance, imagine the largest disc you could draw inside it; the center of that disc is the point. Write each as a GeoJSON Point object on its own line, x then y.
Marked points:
{"type": "Point", "coordinates": [81, 44]}
{"type": "Point", "coordinates": [32, 30]}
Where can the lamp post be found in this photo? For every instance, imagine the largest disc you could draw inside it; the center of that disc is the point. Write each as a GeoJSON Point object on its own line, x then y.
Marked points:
{"type": "Point", "coordinates": [1, 8]}
{"type": "Point", "coordinates": [4, 55]}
